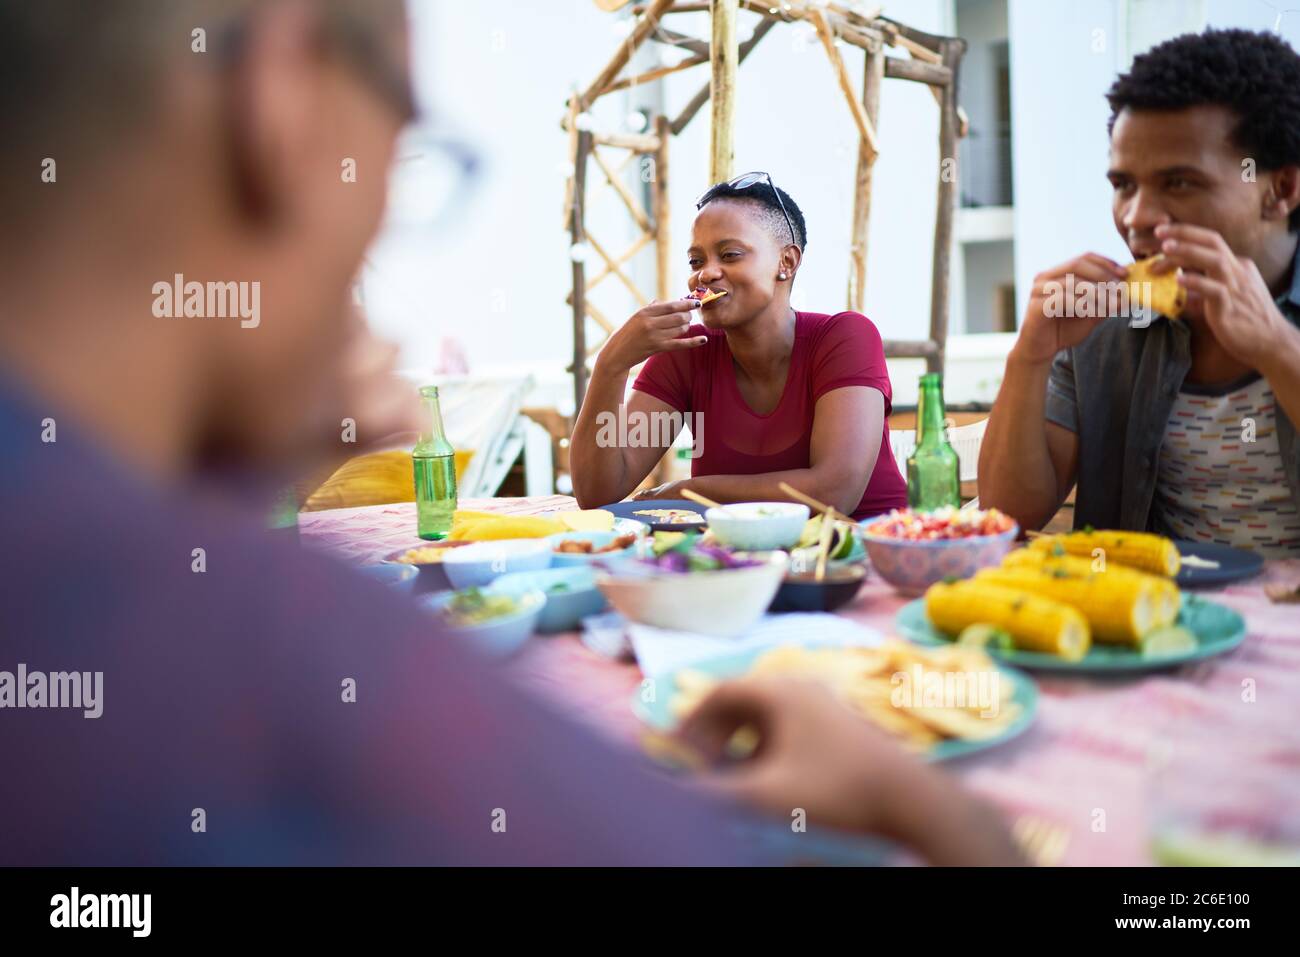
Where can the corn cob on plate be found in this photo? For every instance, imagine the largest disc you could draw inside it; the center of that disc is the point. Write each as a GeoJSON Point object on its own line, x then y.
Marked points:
{"type": "Point", "coordinates": [1215, 628]}
{"type": "Point", "coordinates": [1121, 605]}
{"type": "Point", "coordinates": [1154, 554]}
{"type": "Point", "coordinates": [1206, 563]}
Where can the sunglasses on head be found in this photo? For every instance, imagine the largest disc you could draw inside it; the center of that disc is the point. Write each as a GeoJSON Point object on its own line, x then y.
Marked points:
{"type": "Point", "coordinates": [745, 181]}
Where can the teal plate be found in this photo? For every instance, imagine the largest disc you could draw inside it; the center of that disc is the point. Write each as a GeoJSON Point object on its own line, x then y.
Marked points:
{"type": "Point", "coordinates": [656, 713]}
{"type": "Point", "coordinates": [1217, 629]}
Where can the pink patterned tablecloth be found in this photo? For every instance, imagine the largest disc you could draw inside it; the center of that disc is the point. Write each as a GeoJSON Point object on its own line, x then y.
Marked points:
{"type": "Point", "coordinates": [1086, 765]}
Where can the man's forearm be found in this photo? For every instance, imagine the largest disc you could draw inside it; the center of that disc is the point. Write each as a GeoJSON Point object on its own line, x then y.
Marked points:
{"type": "Point", "coordinates": [1016, 473]}
{"type": "Point", "coordinates": [930, 814]}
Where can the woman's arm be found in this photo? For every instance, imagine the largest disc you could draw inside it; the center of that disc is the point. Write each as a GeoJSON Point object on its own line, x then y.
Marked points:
{"type": "Point", "coordinates": [848, 424]}
{"type": "Point", "coordinates": [609, 456]}
{"type": "Point", "coordinates": [606, 460]}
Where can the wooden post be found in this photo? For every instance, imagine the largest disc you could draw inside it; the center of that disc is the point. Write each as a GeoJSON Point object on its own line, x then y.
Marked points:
{"type": "Point", "coordinates": [699, 99]}
{"type": "Point", "coordinates": [866, 131]}
{"type": "Point", "coordinates": [578, 234]}
{"type": "Point", "coordinates": [624, 53]}
{"type": "Point", "coordinates": [951, 50]}
{"type": "Point", "coordinates": [663, 230]}
{"type": "Point", "coordinates": [617, 184]}
{"type": "Point", "coordinates": [656, 74]}
{"type": "Point", "coordinates": [873, 75]}
{"type": "Point", "coordinates": [724, 53]}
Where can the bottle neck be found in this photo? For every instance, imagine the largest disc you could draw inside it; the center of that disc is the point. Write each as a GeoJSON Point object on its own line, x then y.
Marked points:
{"type": "Point", "coordinates": [930, 427]}
{"type": "Point", "coordinates": [433, 430]}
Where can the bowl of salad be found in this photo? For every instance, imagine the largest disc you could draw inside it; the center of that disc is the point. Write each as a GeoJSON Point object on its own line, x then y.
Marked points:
{"type": "Point", "coordinates": [571, 595]}
{"type": "Point", "coordinates": [496, 622]}
{"type": "Point", "coordinates": [689, 586]}
{"type": "Point", "coordinates": [912, 550]}
{"type": "Point", "coordinates": [758, 526]}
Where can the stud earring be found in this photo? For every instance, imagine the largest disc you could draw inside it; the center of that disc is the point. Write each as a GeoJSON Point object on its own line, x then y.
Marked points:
{"type": "Point", "coordinates": [780, 275]}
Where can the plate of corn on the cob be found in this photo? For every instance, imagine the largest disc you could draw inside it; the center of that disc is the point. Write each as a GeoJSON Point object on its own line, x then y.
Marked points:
{"type": "Point", "coordinates": [1189, 564]}
{"type": "Point", "coordinates": [1084, 601]}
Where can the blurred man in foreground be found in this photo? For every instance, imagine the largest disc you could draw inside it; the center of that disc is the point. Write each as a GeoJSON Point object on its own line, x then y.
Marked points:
{"type": "Point", "coordinates": [225, 735]}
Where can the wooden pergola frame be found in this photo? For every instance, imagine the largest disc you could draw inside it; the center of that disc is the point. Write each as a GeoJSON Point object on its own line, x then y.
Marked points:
{"type": "Point", "coordinates": [932, 60]}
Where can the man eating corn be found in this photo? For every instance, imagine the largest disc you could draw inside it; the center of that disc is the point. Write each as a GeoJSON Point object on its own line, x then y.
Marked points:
{"type": "Point", "coordinates": [1186, 425]}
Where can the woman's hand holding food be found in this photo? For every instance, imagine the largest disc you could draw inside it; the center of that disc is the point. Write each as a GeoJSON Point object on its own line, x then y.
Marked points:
{"type": "Point", "coordinates": [1049, 324]}
{"type": "Point", "coordinates": [654, 328]}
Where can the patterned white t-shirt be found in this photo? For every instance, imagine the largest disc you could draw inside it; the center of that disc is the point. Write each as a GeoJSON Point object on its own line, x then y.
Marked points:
{"type": "Point", "coordinates": [1220, 475]}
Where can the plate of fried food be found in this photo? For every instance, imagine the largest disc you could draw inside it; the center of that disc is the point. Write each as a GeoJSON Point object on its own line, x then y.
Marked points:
{"type": "Point", "coordinates": [1048, 608]}
{"type": "Point", "coordinates": [585, 548]}
{"type": "Point", "coordinates": [940, 703]}
{"type": "Point", "coordinates": [662, 515]}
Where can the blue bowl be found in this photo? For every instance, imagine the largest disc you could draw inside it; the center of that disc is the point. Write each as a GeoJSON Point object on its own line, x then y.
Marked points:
{"type": "Point", "coordinates": [483, 562]}
{"type": "Point", "coordinates": [564, 609]}
{"type": "Point", "coordinates": [399, 578]}
{"type": "Point", "coordinates": [597, 539]}
{"type": "Point", "coordinates": [498, 637]}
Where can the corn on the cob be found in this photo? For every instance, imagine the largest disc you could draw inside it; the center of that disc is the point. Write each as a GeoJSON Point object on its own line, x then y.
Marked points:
{"type": "Point", "coordinates": [1034, 623]}
{"type": "Point", "coordinates": [1141, 550]}
{"type": "Point", "coordinates": [1120, 609]}
{"type": "Point", "coordinates": [1167, 599]}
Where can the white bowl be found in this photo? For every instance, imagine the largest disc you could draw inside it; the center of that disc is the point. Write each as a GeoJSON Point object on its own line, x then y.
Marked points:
{"type": "Point", "coordinates": [758, 526]}
{"type": "Point", "coordinates": [483, 562]}
{"type": "Point", "coordinates": [725, 602]}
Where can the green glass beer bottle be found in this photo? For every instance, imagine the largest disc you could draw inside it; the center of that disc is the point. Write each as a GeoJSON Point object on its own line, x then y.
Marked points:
{"type": "Point", "coordinates": [434, 461]}
{"type": "Point", "coordinates": [933, 471]}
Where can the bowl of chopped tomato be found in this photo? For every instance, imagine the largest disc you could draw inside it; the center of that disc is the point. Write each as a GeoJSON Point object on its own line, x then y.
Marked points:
{"type": "Point", "coordinates": [912, 550]}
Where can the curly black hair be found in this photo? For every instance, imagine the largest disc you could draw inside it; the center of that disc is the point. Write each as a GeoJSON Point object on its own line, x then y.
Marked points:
{"type": "Point", "coordinates": [762, 195]}
{"type": "Point", "coordinates": [1255, 75]}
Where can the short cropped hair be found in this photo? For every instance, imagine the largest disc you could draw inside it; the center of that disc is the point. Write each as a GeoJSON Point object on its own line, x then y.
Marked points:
{"type": "Point", "coordinates": [769, 210]}
{"type": "Point", "coordinates": [1254, 75]}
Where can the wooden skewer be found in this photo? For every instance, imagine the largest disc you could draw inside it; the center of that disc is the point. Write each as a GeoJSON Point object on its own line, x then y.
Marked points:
{"type": "Point", "coordinates": [699, 499]}
{"type": "Point", "coordinates": [812, 503]}
{"type": "Point", "coordinates": [828, 527]}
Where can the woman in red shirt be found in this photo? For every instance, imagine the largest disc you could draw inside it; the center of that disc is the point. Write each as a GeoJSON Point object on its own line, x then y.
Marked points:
{"type": "Point", "coordinates": [772, 395]}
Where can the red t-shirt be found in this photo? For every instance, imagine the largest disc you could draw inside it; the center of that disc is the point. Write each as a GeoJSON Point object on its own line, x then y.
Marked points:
{"type": "Point", "coordinates": [830, 352]}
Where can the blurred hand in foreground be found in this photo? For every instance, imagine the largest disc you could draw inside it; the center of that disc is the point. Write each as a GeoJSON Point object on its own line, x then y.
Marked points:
{"type": "Point", "coordinates": [813, 753]}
